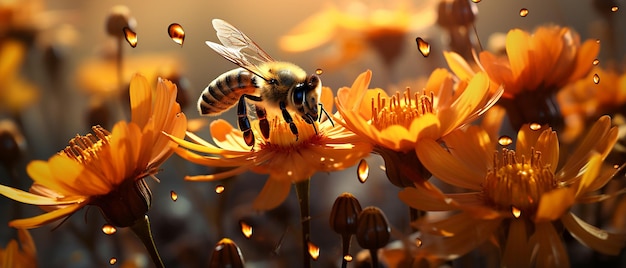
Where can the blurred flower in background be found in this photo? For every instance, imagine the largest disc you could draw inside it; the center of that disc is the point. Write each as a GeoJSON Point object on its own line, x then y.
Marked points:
{"type": "Point", "coordinates": [16, 93]}
{"type": "Point", "coordinates": [22, 254]}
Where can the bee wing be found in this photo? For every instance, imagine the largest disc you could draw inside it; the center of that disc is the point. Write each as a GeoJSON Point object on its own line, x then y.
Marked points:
{"type": "Point", "coordinates": [238, 47]}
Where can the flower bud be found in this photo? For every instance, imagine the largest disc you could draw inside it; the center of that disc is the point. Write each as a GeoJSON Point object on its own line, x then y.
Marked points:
{"type": "Point", "coordinates": [373, 231]}
{"type": "Point", "coordinates": [456, 13]}
{"type": "Point", "coordinates": [126, 204]}
{"type": "Point", "coordinates": [119, 18]}
{"type": "Point", "coordinates": [344, 215]}
{"type": "Point", "coordinates": [226, 254]}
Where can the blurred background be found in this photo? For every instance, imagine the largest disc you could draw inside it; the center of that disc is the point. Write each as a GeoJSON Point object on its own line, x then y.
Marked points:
{"type": "Point", "coordinates": [69, 66]}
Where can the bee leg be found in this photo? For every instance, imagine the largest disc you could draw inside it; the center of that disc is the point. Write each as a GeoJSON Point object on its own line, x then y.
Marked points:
{"type": "Point", "coordinates": [327, 116]}
{"type": "Point", "coordinates": [309, 119]}
{"type": "Point", "coordinates": [244, 122]}
{"type": "Point", "coordinates": [264, 125]}
{"type": "Point", "coordinates": [288, 119]}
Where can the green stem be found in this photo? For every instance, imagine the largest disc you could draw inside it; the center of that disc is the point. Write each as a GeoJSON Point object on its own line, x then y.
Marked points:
{"type": "Point", "coordinates": [302, 190]}
{"type": "Point", "coordinates": [141, 228]}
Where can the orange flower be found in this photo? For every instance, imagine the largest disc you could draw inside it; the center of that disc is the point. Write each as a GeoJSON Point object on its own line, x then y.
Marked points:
{"type": "Point", "coordinates": [97, 169]}
{"type": "Point", "coordinates": [284, 158]}
{"type": "Point", "coordinates": [520, 190]}
{"type": "Point", "coordinates": [12, 256]}
{"type": "Point", "coordinates": [15, 92]}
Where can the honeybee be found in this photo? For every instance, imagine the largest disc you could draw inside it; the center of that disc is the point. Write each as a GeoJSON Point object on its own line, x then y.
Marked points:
{"type": "Point", "coordinates": [263, 81]}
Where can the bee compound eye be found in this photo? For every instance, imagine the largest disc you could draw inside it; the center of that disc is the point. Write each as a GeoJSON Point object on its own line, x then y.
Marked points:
{"type": "Point", "coordinates": [298, 94]}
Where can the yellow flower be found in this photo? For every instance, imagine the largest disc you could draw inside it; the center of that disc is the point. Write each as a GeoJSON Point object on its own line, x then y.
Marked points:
{"type": "Point", "coordinates": [519, 190]}
{"type": "Point", "coordinates": [284, 158]}
{"type": "Point", "coordinates": [12, 256]}
{"type": "Point", "coordinates": [15, 92]}
{"type": "Point", "coordinates": [96, 169]}
{"type": "Point", "coordinates": [399, 121]}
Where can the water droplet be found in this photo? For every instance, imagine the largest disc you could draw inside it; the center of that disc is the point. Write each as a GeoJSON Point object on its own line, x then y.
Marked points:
{"type": "Point", "coordinates": [418, 242]}
{"type": "Point", "coordinates": [535, 126]}
{"type": "Point", "coordinates": [596, 62]}
{"type": "Point", "coordinates": [476, 1]}
{"type": "Point", "coordinates": [505, 140]}
{"type": "Point", "coordinates": [523, 12]}
{"type": "Point", "coordinates": [174, 196]}
{"type": "Point", "coordinates": [246, 229]}
{"type": "Point", "coordinates": [614, 8]}
{"type": "Point", "coordinates": [108, 229]}
{"type": "Point", "coordinates": [112, 260]}
{"type": "Point", "coordinates": [596, 78]}
{"type": "Point", "coordinates": [616, 166]}
{"type": "Point", "coordinates": [319, 71]}
{"type": "Point", "coordinates": [314, 251]}
{"type": "Point", "coordinates": [423, 46]}
{"type": "Point", "coordinates": [597, 41]}
{"type": "Point", "coordinates": [177, 33]}
{"type": "Point", "coordinates": [363, 171]}
{"type": "Point", "coordinates": [131, 37]}
{"type": "Point", "coordinates": [219, 189]}
{"type": "Point", "coordinates": [348, 258]}
{"type": "Point", "coordinates": [516, 212]}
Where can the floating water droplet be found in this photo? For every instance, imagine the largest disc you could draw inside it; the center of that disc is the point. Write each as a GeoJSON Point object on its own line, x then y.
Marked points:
{"type": "Point", "coordinates": [363, 171]}
{"type": "Point", "coordinates": [423, 46]}
{"type": "Point", "coordinates": [596, 62]}
{"type": "Point", "coordinates": [219, 189]}
{"type": "Point", "coordinates": [516, 212]}
{"type": "Point", "coordinates": [597, 41]}
{"type": "Point", "coordinates": [616, 166]}
{"type": "Point", "coordinates": [314, 251]}
{"type": "Point", "coordinates": [246, 229]}
{"type": "Point", "coordinates": [535, 126]}
{"type": "Point", "coordinates": [112, 261]}
{"type": "Point", "coordinates": [596, 78]}
{"type": "Point", "coordinates": [505, 140]}
{"type": "Point", "coordinates": [476, 1]}
{"type": "Point", "coordinates": [131, 37]}
{"type": "Point", "coordinates": [418, 242]}
{"type": "Point", "coordinates": [319, 71]}
{"type": "Point", "coordinates": [177, 33]}
{"type": "Point", "coordinates": [614, 8]}
{"type": "Point", "coordinates": [174, 196]}
{"type": "Point", "coordinates": [348, 258]}
{"type": "Point", "coordinates": [523, 12]}
{"type": "Point", "coordinates": [109, 229]}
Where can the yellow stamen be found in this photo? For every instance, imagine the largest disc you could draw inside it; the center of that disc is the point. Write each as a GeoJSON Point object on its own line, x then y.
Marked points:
{"type": "Point", "coordinates": [402, 109]}
{"type": "Point", "coordinates": [281, 135]}
{"type": "Point", "coordinates": [85, 148]}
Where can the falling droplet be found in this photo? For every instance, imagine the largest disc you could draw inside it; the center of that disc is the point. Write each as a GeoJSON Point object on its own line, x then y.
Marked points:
{"type": "Point", "coordinates": [535, 126]}
{"type": "Point", "coordinates": [423, 46]}
{"type": "Point", "coordinates": [131, 37]}
{"type": "Point", "coordinates": [596, 62]}
{"type": "Point", "coordinates": [177, 33]}
{"type": "Point", "coordinates": [614, 8]}
{"type": "Point", "coordinates": [108, 229]}
{"type": "Point", "coordinates": [348, 258]}
{"type": "Point", "coordinates": [363, 171]}
{"type": "Point", "coordinates": [516, 212]}
{"type": "Point", "coordinates": [476, 1]}
{"type": "Point", "coordinates": [314, 251]}
{"type": "Point", "coordinates": [596, 78]}
{"type": "Point", "coordinates": [174, 196]}
{"type": "Point", "coordinates": [418, 242]}
{"type": "Point", "coordinates": [505, 140]}
{"type": "Point", "coordinates": [616, 166]}
{"type": "Point", "coordinates": [219, 189]}
{"type": "Point", "coordinates": [597, 41]}
{"type": "Point", "coordinates": [523, 12]}
{"type": "Point", "coordinates": [319, 71]}
{"type": "Point", "coordinates": [246, 229]}
{"type": "Point", "coordinates": [113, 261]}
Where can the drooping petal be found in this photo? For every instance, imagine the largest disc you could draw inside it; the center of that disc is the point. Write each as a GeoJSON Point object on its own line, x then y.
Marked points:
{"type": "Point", "coordinates": [46, 218]}
{"type": "Point", "coordinates": [516, 250]}
{"type": "Point", "coordinates": [33, 199]}
{"type": "Point", "coordinates": [597, 239]}
{"type": "Point", "coordinates": [272, 195]}
{"type": "Point", "coordinates": [550, 249]}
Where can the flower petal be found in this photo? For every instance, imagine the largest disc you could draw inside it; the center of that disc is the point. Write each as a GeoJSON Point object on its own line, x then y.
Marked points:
{"type": "Point", "coordinates": [420, 198]}
{"type": "Point", "coordinates": [597, 239]}
{"type": "Point", "coordinates": [446, 167]}
{"type": "Point", "coordinates": [272, 195]}
{"type": "Point", "coordinates": [33, 199]}
{"type": "Point", "coordinates": [516, 250]}
{"type": "Point", "coordinates": [140, 100]}
{"type": "Point", "coordinates": [554, 204]}
{"type": "Point", "coordinates": [550, 249]}
{"type": "Point", "coordinates": [46, 218]}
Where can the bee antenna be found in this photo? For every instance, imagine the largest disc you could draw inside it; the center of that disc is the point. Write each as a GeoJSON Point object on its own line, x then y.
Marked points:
{"type": "Point", "coordinates": [327, 116]}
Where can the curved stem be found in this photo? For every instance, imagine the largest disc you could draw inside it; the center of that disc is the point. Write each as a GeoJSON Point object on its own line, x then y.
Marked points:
{"type": "Point", "coordinates": [141, 228]}
{"type": "Point", "coordinates": [302, 190]}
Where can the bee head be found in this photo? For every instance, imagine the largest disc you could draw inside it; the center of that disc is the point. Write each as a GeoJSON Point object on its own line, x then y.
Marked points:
{"type": "Point", "coordinates": [306, 97]}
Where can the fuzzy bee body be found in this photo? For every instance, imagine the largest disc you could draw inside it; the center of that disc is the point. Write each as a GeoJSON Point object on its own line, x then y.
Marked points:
{"type": "Point", "coordinates": [224, 92]}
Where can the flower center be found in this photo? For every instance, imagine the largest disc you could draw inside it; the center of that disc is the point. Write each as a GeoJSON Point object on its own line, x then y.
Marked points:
{"type": "Point", "coordinates": [84, 149]}
{"type": "Point", "coordinates": [400, 109]}
{"type": "Point", "coordinates": [516, 185]}
{"type": "Point", "coordinates": [281, 135]}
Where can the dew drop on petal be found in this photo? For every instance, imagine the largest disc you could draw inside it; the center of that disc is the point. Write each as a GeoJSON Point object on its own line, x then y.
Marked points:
{"type": "Point", "coordinates": [505, 140]}
{"type": "Point", "coordinates": [319, 71]}
{"type": "Point", "coordinates": [246, 229]}
{"type": "Point", "coordinates": [348, 258]}
{"type": "Point", "coordinates": [423, 46]}
{"type": "Point", "coordinates": [535, 126]}
{"type": "Point", "coordinates": [314, 251]}
{"type": "Point", "coordinates": [219, 189]}
{"type": "Point", "coordinates": [418, 242]}
{"type": "Point", "coordinates": [614, 8]}
{"type": "Point", "coordinates": [174, 196]}
{"type": "Point", "coordinates": [596, 62]}
{"type": "Point", "coordinates": [177, 33]}
{"type": "Point", "coordinates": [523, 12]}
{"type": "Point", "coordinates": [131, 37]}
{"type": "Point", "coordinates": [516, 212]}
{"type": "Point", "coordinates": [363, 171]}
{"type": "Point", "coordinates": [596, 78]}
{"type": "Point", "coordinates": [109, 229]}
{"type": "Point", "coordinates": [112, 261]}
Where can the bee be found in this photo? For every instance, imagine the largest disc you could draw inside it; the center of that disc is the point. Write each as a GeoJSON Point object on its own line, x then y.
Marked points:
{"type": "Point", "coordinates": [280, 86]}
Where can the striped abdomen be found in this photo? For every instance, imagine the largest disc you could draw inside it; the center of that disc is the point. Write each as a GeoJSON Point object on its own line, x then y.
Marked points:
{"type": "Point", "coordinates": [224, 92]}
